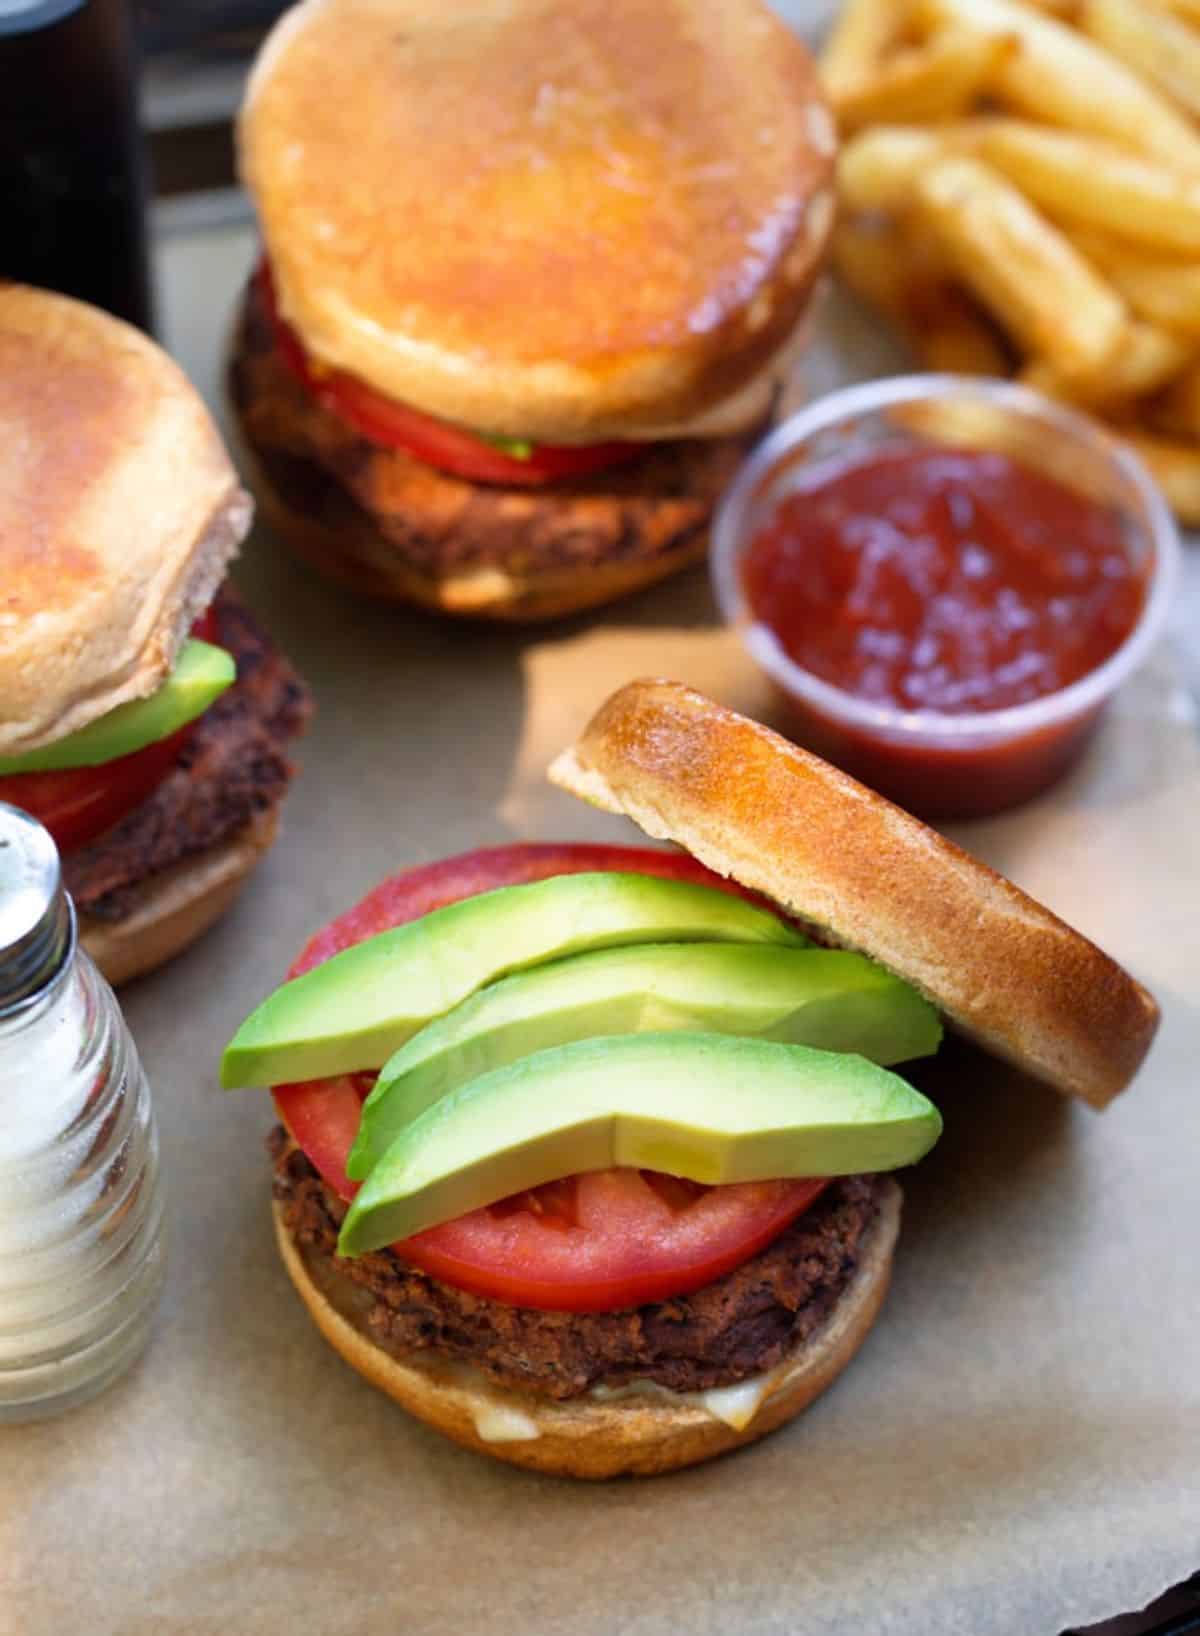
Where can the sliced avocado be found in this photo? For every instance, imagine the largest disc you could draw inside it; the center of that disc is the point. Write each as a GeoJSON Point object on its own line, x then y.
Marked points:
{"type": "Point", "coordinates": [201, 674]}
{"type": "Point", "coordinates": [821, 997]}
{"type": "Point", "coordinates": [708, 1107]}
{"type": "Point", "coordinates": [356, 1009]}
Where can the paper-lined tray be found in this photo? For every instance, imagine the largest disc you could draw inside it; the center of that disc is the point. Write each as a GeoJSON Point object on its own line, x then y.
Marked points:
{"type": "Point", "coordinates": [1016, 1448]}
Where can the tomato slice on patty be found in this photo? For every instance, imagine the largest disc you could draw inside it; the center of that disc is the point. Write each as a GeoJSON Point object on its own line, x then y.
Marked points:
{"type": "Point", "coordinates": [436, 442]}
{"type": "Point", "coordinates": [79, 803]}
{"type": "Point", "coordinates": [601, 1242]}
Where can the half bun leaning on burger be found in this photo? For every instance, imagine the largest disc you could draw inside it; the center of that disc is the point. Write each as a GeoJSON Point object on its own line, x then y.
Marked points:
{"type": "Point", "coordinates": [604, 1196]}
{"type": "Point", "coordinates": [532, 276]}
{"type": "Point", "coordinates": [145, 716]}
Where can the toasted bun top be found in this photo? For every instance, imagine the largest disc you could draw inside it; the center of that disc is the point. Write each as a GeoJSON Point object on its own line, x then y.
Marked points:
{"type": "Point", "coordinates": [119, 511]}
{"type": "Point", "coordinates": [1003, 969]}
{"type": "Point", "coordinates": [540, 219]}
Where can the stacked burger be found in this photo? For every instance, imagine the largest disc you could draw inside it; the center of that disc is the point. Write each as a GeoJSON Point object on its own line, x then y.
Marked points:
{"type": "Point", "coordinates": [532, 276]}
{"type": "Point", "coordinates": [145, 716]}
{"type": "Point", "coordinates": [586, 1153]}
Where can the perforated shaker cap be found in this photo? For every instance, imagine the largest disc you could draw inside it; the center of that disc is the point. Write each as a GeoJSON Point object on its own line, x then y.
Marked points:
{"type": "Point", "coordinates": [37, 926]}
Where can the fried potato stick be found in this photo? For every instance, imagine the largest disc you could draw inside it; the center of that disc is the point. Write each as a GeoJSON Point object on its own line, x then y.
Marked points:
{"type": "Point", "coordinates": [1080, 179]}
{"type": "Point", "coordinates": [1161, 48]}
{"type": "Point", "coordinates": [1021, 267]}
{"type": "Point", "coordinates": [938, 80]}
{"type": "Point", "coordinates": [1066, 78]}
{"type": "Point", "coordinates": [1160, 289]}
{"type": "Point", "coordinates": [863, 32]}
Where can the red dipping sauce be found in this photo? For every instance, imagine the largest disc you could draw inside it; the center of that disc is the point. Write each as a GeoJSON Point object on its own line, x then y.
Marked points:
{"type": "Point", "coordinates": [946, 581]}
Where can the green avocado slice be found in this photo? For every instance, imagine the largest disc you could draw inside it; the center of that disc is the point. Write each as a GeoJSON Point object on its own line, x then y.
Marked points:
{"type": "Point", "coordinates": [827, 998]}
{"type": "Point", "coordinates": [708, 1107]}
{"type": "Point", "coordinates": [201, 674]}
{"type": "Point", "coordinates": [352, 1012]}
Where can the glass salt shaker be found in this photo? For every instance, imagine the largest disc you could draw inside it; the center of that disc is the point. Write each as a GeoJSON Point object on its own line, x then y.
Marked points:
{"type": "Point", "coordinates": [81, 1217]}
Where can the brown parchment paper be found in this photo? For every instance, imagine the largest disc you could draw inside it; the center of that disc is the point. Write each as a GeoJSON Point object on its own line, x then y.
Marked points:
{"type": "Point", "coordinates": [1016, 1448]}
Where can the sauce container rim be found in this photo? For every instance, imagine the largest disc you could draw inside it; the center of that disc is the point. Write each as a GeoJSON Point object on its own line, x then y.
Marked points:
{"type": "Point", "coordinates": [730, 539]}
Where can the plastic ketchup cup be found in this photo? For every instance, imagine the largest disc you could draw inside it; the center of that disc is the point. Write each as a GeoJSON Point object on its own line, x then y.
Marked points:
{"type": "Point", "coordinates": [955, 762]}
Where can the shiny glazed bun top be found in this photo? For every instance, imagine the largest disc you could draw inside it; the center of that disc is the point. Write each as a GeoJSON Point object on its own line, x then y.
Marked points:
{"type": "Point", "coordinates": [542, 220]}
{"type": "Point", "coordinates": [119, 511]}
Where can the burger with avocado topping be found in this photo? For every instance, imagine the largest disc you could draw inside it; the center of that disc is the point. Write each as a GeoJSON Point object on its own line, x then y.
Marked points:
{"type": "Point", "coordinates": [585, 1151]}
{"type": "Point", "coordinates": [533, 274]}
{"type": "Point", "coordinates": [144, 714]}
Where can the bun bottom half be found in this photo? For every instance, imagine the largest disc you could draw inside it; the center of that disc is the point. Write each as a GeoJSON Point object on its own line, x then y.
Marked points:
{"type": "Point", "coordinates": [326, 527]}
{"type": "Point", "coordinates": [177, 906]}
{"type": "Point", "coordinates": [641, 1435]}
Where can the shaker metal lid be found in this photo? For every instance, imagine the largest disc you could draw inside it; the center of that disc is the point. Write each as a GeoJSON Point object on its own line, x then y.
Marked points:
{"type": "Point", "coordinates": [36, 922]}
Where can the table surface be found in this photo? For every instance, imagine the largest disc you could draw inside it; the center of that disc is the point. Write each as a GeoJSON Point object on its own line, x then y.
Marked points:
{"type": "Point", "coordinates": [1016, 1448]}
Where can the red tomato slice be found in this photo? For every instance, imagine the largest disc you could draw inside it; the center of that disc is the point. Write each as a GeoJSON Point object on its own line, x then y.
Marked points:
{"type": "Point", "coordinates": [438, 443]}
{"type": "Point", "coordinates": [80, 803]}
{"type": "Point", "coordinates": [323, 1117]}
{"type": "Point", "coordinates": [600, 1242]}
{"type": "Point", "coordinates": [608, 1240]}
{"type": "Point", "coordinates": [416, 892]}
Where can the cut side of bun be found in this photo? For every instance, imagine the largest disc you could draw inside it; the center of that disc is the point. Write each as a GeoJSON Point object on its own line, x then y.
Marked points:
{"type": "Point", "coordinates": [640, 1435]}
{"type": "Point", "coordinates": [177, 906]}
{"type": "Point", "coordinates": [1004, 970]}
{"type": "Point", "coordinates": [540, 220]}
{"type": "Point", "coordinates": [119, 514]}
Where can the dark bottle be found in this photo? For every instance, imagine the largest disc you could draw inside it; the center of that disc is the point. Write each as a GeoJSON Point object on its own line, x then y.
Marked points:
{"type": "Point", "coordinates": [72, 160]}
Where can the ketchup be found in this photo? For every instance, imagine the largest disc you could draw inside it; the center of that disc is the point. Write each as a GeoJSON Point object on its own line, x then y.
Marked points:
{"type": "Point", "coordinates": [949, 581]}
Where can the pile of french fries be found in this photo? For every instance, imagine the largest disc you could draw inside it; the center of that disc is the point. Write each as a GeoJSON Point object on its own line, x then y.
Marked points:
{"type": "Point", "coordinates": [1020, 195]}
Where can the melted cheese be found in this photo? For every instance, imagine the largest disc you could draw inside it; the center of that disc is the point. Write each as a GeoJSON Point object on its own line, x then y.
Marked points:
{"type": "Point", "coordinates": [497, 1423]}
{"type": "Point", "coordinates": [736, 1405]}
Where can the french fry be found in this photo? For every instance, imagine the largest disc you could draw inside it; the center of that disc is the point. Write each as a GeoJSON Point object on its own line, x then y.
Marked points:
{"type": "Point", "coordinates": [1160, 290]}
{"type": "Point", "coordinates": [1176, 466]}
{"type": "Point", "coordinates": [878, 168]}
{"type": "Point", "coordinates": [1021, 267]}
{"type": "Point", "coordinates": [1067, 79]}
{"type": "Point", "coordinates": [864, 31]}
{"type": "Point", "coordinates": [1161, 48]}
{"type": "Point", "coordinates": [938, 80]}
{"type": "Point", "coordinates": [1182, 8]}
{"type": "Point", "coordinates": [1081, 179]}
{"type": "Point", "coordinates": [1148, 360]}
{"type": "Point", "coordinates": [885, 267]}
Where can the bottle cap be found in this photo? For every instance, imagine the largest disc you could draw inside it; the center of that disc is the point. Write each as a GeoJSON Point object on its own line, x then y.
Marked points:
{"type": "Point", "coordinates": [37, 925]}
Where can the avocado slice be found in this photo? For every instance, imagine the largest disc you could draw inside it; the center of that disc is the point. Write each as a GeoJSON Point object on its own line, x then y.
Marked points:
{"type": "Point", "coordinates": [356, 1009]}
{"type": "Point", "coordinates": [709, 1107]}
{"type": "Point", "coordinates": [201, 674]}
{"type": "Point", "coordinates": [827, 998]}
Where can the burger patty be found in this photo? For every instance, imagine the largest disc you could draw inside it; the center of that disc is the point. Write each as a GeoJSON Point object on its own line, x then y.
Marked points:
{"type": "Point", "coordinates": [233, 768]}
{"type": "Point", "coordinates": [655, 506]}
{"type": "Point", "coordinates": [736, 1327]}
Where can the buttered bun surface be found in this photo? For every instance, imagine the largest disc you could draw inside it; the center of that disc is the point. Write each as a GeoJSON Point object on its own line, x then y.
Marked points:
{"type": "Point", "coordinates": [119, 512]}
{"type": "Point", "coordinates": [543, 221]}
{"type": "Point", "coordinates": [866, 875]}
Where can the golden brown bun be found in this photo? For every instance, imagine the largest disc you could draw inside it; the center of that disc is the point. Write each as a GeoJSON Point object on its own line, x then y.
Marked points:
{"type": "Point", "coordinates": [175, 907]}
{"type": "Point", "coordinates": [639, 1436]}
{"type": "Point", "coordinates": [541, 220]}
{"type": "Point", "coordinates": [119, 512]}
{"type": "Point", "coordinates": [752, 806]}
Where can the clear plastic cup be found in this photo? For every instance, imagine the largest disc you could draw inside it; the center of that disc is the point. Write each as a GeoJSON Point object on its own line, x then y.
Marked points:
{"type": "Point", "coordinates": [943, 765]}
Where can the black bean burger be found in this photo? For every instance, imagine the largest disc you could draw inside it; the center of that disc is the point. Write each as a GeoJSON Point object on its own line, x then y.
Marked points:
{"type": "Point", "coordinates": [532, 1178]}
{"type": "Point", "coordinates": [145, 715]}
{"type": "Point", "coordinates": [532, 272]}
